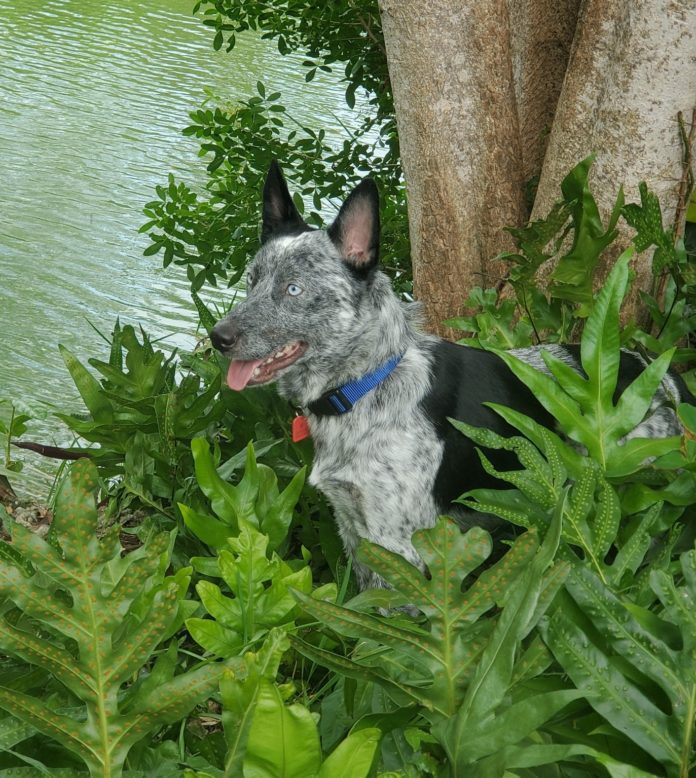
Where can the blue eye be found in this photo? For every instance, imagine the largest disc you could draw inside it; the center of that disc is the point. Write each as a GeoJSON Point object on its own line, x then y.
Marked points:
{"type": "Point", "coordinates": [294, 290]}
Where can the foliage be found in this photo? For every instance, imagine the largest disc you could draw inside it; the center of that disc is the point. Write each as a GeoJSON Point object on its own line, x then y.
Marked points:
{"type": "Point", "coordinates": [260, 595]}
{"type": "Point", "coordinates": [15, 427]}
{"type": "Point", "coordinates": [630, 660]}
{"type": "Point", "coordinates": [254, 707]}
{"type": "Point", "coordinates": [572, 237]}
{"type": "Point", "coordinates": [144, 418]}
{"type": "Point", "coordinates": [622, 631]}
{"type": "Point", "coordinates": [255, 502]}
{"type": "Point", "coordinates": [584, 405]}
{"type": "Point", "coordinates": [459, 673]}
{"type": "Point", "coordinates": [570, 654]}
{"type": "Point", "coordinates": [92, 618]}
{"type": "Point", "coordinates": [346, 33]}
{"type": "Point", "coordinates": [251, 519]}
{"type": "Point", "coordinates": [141, 416]}
{"type": "Point", "coordinates": [514, 665]}
{"type": "Point", "coordinates": [214, 233]}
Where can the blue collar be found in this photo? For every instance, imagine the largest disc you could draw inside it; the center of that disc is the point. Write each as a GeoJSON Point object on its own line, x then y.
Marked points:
{"type": "Point", "coordinates": [338, 401]}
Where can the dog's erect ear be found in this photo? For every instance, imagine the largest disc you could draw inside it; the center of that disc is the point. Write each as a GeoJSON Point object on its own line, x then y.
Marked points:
{"type": "Point", "coordinates": [356, 230]}
{"type": "Point", "coordinates": [279, 212]}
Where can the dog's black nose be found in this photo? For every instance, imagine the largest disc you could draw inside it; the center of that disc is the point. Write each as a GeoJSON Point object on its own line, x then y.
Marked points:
{"type": "Point", "coordinates": [224, 336]}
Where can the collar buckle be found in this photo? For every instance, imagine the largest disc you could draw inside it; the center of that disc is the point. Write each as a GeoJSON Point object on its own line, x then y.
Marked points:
{"type": "Point", "coordinates": [331, 403]}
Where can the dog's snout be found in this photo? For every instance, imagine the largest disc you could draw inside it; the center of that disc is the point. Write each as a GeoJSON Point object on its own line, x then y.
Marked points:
{"type": "Point", "coordinates": [224, 336]}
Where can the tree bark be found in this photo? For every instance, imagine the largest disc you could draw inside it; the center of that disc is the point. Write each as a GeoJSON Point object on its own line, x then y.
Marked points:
{"type": "Point", "coordinates": [541, 36]}
{"type": "Point", "coordinates": [476, 84]}
{"type": "Point", "coordinates": [451, 73]}
{"type": "Point", "coordinates": [632, 68]}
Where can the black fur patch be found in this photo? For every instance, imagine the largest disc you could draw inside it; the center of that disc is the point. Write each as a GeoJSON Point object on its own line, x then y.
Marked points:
{"type": "Point", "coordinates": [463, 379]}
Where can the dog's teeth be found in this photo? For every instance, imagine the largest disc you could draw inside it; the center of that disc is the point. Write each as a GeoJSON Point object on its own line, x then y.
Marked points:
{"type": "Point", "coordinates": [281, 353]}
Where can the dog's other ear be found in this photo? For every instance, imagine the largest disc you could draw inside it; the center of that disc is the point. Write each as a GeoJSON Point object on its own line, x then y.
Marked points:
{"type": "Point", "coordinates": [279, 211]}
{"type": "Point", "coordinates": [355, 232]}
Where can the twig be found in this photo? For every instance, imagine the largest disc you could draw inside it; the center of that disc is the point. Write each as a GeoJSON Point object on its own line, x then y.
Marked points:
{"type": "Point", "coordinates": [686, 182]}
{"type": "Point", "coordinates": [53, 452]}
{"type": "Point", "coordinates": [367, 26]}
{"type": "Point", "coordinates": [686, 185]}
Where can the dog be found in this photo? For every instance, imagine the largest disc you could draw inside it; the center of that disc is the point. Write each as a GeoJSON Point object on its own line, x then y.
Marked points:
{"type": "Point", "coordinates": [322, 320]}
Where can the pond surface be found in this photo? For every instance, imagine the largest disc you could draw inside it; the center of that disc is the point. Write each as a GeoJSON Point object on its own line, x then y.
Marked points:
{"type": "Point", "coordinates": [93, 97]}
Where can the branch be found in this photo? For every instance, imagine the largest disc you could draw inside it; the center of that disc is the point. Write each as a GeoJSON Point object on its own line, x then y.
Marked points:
{"type": "Point", "coordinates": [54, 452]}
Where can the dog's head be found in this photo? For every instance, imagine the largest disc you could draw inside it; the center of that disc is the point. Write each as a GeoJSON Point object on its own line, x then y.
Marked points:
{"type": "Point", "coordinates": [305, 289]}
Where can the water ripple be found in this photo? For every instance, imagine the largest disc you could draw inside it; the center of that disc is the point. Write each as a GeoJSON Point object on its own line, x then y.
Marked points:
{"type": "Point", "coordinates": [93, 96]}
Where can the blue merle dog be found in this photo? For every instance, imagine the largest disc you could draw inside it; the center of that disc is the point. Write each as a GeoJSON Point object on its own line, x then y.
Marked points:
{"type": "Point", "coordinates": [322, 320]}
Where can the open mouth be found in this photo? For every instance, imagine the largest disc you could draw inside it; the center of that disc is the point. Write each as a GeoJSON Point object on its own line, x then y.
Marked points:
{"type": "Point", "coordinates": [252, 372]}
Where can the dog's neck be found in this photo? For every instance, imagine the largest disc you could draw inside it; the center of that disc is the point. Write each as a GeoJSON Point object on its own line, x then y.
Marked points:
{"type": "Point", "coordinates": [388, 328]}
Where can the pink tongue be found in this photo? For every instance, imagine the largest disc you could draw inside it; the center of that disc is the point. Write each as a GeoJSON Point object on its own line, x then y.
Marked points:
{"type": "Point", "coordinates": [240, 372]}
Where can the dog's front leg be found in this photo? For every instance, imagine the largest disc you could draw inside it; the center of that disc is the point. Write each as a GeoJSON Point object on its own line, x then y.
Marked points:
{"type": "Point", "coordinates": [357, 518]}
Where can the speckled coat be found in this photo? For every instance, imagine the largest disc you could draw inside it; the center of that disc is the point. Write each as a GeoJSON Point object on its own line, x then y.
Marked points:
{"type": "Point", "coordinates": [393, 463]}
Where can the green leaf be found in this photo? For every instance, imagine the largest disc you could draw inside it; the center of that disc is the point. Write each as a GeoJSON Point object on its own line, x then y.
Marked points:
{"type": "Point", "coordinates": [678, 603]}
{"type": "Point", "coordinates": [648, 654]}
{"type": "Point", "coordinates": [609, 692]}
{"type": "Point", "coordinates": [495, 667]}
{"type": "Point", "coordinates": [599, 347]}
{"type": "Point", "coordinates": [572, 277]}
{"type": "Point", "coordinates": [633, 551]}
{"type": "Point", "coordinates": [353, 757]}
{"type": "Point", "coordinates": [89, 388]}
{"type": "Point", "coordinates": [215, 638]}
{"type": "Point", "coordinates": [239, 693]}
{"type": "Point", "coordinates": [230, 503]}
{"type": "Point", "coordinates": [210, 530]}
{"type": "Point", "coordinates": [448, 555]}
{"type": "Point", "coordinates": [484, 737]}
{"type": "Point", "coordinates": [206, 317]}
{"type": "Point", "coordinates": [13, 731]}
{"type": "Point", "coordinates": [635, 401]}
{"type": "Point", "coordinates": [172, 700]}
{"type": "Point", "coordinates": [39, 716]}
{"type": "Point", "coordinates": [276, 521]}
{"type": "Point", "coordinates": [293, 751]}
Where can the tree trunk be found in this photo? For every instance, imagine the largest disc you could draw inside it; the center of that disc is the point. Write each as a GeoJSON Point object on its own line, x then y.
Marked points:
{"type": "Point", "coordinates": [476, 85]}
{"type": "Point", "coordinates": [632, 68]}
{"type": "Point", "coordinates": [451, 74]}
{"type": "Point", "coordinates": [542, 36]}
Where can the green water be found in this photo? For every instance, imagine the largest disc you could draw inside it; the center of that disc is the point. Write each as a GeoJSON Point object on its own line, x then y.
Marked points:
{"type": "Point", "coordinates": [93, 97]}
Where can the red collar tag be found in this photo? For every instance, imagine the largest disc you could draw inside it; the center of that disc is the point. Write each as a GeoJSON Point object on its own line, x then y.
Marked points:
{"type": "Point", "coordinates": [300, 429]}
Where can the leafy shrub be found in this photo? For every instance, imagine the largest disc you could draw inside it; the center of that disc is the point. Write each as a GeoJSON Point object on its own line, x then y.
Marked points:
{"type": "Point", "coordinates": [91, 618]}
{"type": "Point", "coordinates": [253, 519]}
{"type": "Point", "coordinates": [214, 234]}
{"type": "Point", "coordinates": [573, 238]}
{"type": "Point", "coordinates": [570, 655]}
{"type": "Point", "coordinates": [142, 416]}
{"type": "Point", "coordinates": [254, 707]}
{"type": "Point", "coordinates": [459, 672]}
{"type": "Point", "coordinates": [620, 629]}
